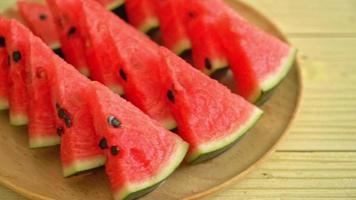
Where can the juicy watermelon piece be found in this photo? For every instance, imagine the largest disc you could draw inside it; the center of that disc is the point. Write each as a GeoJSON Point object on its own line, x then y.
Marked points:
{"type": "Point", "coordinates": [171, 25]}
{"type": "Point", "coordinates": [130, 45]}
{"type": "Point", "coordinates": [139, 155]}
{"type": "Point", "coordinates": [79, 144]}
{"type": "Point", "coordinates": [210, 118]}
{"type": "Point", "coordinates": [39, 19]}
{"type": "Point", "coordinates": [258, 60]}
{"type": "Point", "coordinates": [42, 115]}
{"type": "Point", "coordinates": [4, 66]}
{"type": "Point", "coordinates": [141, 14]}
{"type": "Point", "coordinates": [17, 46]}
{"type": "Point", "coordinates": [101, 54]}
{"type": "Point", "coordinates": [73, 46]}
{"type": "Point", "coordinates": [207, 51]}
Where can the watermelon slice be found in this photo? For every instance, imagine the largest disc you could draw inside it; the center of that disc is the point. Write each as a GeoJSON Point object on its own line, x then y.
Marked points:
{"type": "Point", "coordinates": [42, 125]}
{"type": "Point", "coordinates": [210, 118]}
{"type": "Point", "coordinates": [17, 45]}
{"type": "Point", "coordinates": [4, 66]}
{"type": "Point", "coordinates": [139, 155]}
{"type": "Point", "coordinates": [101, 55]}
{"type": "Point", "coordinates": [39, 19]}
{"type": "Point", "coordinates": [79, 144]}
{"type": "Point", "coordinates": [127, 47]}
{"type": "Point", "coordinates": [171, 25]}
{"type": "Point", "coordinates": [258, 60]}
{"type": "Point", "coordinates": [141, 14]}
{"type": "Point", "coordinates": [73, 46]}
{"type": "Point", "coordinates": [207, 51]}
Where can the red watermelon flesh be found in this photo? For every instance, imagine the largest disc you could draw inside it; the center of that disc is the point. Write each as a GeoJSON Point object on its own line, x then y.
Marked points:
{"type": "Point", "coordinates": [138, 63]}
{"type": "Point", "coordinates": [171, 25]}
{"type": "Point", "coordinates": [139, 155]}
{"type": "Point", "coordinates": [265, 59]}
{"type": "Point", "coordinates": [207, 51]}
{"type": "Point", "coordinates": [79, 144]}
{"type": "Point", "coordinates": [72, 45]}
{"type": "Point", "coordinates": [39, 19]}
{"type": "Point", "coordinates": [141, 14]}
{"type": "Point", "coordinates": [42, 125]}
{"type": "Point", "coordinates": [210, 118]}
{"type": "Point", "coordinates": [4, 66]}
{"type": "Point", "coordinates": [17, 47]}
{"type": "Point", "coordinates": [100, 50]}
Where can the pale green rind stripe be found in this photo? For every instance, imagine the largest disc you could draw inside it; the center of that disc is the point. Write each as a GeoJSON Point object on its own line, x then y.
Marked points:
{"type": "Point", "coordinates": [275, 78]}
{"type": "Point", "coordinates": [44, 141]}
{"type": "Point", "coordinates": [18, 119]}
{"type": "Point", "coordinates": [115, 4]}
{"type": "Point", "coordinates": [171, 165]}
{"type": "Point", "coordinates": [149, 24]}
{"type": "Point", "coordinates": [83, 165]}
{"type": "Point", "coordinates": [4, 104]}
{"type": "Point", "coordinates": [182, 46]}
{"type": "Point", "coordinates": [213, 146]}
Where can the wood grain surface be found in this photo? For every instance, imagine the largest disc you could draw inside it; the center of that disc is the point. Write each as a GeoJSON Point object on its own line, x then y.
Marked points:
{"type": "Point", "coordinates": [318, 159]}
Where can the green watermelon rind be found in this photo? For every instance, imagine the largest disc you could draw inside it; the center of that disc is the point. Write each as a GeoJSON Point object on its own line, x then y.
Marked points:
{"type": "Point", "coordinates": [115, 4]}
{"type": "Point", "coordinates": [182, 46]}
{"type": "Point", "coordinates": [4, 104]}
{"type": "Point", "coordinates": [149, 24]}
{"type": "Point", "coordinates": [117, 89]}
{"type": "Point", "coordinates": [136, 190]}
{"type": "Point", "coordinates": [274, 79]}
{"type": "Point", "coordinates": [209, 150]}
{"type": "Point", "coordinates": [217, 64]}
{"type": "Point", "coordinates": [55, 45]}
{"type": "Point", "coordinates": [169, 123]}
{"type": "Point", "coordinates": [83, 165]}
{"type": "Point", "coordinates": [39, 142]}
{"type": "Point", "coordinates": [19, 119]}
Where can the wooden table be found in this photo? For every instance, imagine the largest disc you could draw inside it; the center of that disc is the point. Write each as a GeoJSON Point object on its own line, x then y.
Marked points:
{"type": "Point", "coordinates": [318, 159]}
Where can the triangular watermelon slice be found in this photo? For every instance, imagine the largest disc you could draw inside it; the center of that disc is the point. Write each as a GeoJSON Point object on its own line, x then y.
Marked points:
{"type": "Point", "coordinates": [207, 51]}
{"type": "Point", "coordinates": [39, 19]}
{"type": "Point", "coordinates": [101, 55]}
{"type": "Point", "coordinates": [141, 14]}
{"type": "Point", "coordinates": [73, 46]}
{"type": "Point", "coordinates": [4, 65]}
{"type": "Point", "coordinates": [17, 45]}
{"type": "Point", "coordinates": [79, 144]}
{"type": "Point", "coordinates": [258, 60]}
{"type": "Point", "coordinates": [137, 58]}
{"type": "Point", "coordinates": [139, 155]}
{"type": "Point", "coordinates": [210, 118]}
{"type": "Point", "coordinates": [171, 25]}
{"type": "Point", "coordinates": [42, 128]}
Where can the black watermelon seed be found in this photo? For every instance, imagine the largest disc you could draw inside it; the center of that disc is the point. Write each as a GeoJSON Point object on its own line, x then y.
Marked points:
{"type": "Point", "coordinates": [62, 114]}
{"type": "Point", "coordinates": [68, 122]}
{"type": "Point", "coordinates": [60, 131]}
{"type": "Point", "coordinates": [170, 96]}
{"type": "Point", "coordinates": [2, 41]}
{"type": "Point", "coordinates": [114, 122]}
{"type": "Point", "coordinates": [207, 63]}
{"type": "Point", "coordinates": [103, 144]}
{"type": "Point", "coordinates": [72, 31]}
{"type": "Point", "coordinates": [16, 56]}
{"type": "Point", "coordinates": [123, 75]}
{"type": "Point", "coordinates": [114, 150]}
{"type": "Point", "coordinates": [42, 17]}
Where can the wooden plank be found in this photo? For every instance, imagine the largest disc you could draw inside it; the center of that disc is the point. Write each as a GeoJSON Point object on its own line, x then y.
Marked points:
{"type": "Point", "coordinates": [299, 175]}
{"type": "Point", "coordinates": [310, 17]}
{"type": "Point", "coordinates": [328, 113]}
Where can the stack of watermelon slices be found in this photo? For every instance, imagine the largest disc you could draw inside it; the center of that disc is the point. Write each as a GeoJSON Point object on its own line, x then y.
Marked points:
{"type": "Point", "coordinates": [95, 125]}
{"type": "Point", "coordinates": [209, 117]}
